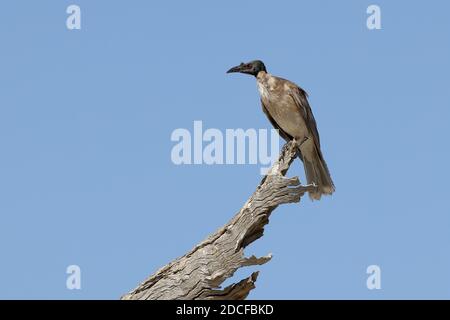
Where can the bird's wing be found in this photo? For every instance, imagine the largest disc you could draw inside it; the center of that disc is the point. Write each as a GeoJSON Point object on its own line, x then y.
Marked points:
{"type": "Point", "coordinates": [283, 134]}
{"type": "Point", "coordinates": [301, 100]}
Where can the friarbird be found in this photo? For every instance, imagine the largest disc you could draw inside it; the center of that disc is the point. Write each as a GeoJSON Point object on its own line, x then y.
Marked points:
{"type": "Point", "coordinates": [287, 107]}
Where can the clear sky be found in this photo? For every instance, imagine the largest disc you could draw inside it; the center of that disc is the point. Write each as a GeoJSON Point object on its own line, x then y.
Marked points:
{"type": "Point", "coordinates": [86, 116]}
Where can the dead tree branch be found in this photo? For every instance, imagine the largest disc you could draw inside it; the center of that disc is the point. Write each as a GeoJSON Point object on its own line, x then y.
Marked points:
{"type": "Point", "coordinates": [199, 273]}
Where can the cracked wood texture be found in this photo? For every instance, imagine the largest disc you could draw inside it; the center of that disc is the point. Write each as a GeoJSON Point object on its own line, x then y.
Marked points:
{"type": "Point", "coordinates": [199, 273]}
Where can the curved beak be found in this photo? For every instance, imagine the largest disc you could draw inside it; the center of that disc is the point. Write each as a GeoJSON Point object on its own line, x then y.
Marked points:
{"type": "Point", "coordinates": [239, 68]}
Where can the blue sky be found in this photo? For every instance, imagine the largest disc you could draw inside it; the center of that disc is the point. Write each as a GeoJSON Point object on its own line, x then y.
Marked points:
{"type": "Point", "coordinates": [86, 117]}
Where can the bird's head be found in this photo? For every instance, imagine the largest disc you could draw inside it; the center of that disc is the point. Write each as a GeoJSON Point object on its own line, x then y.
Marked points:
{"type": "Point", "coordinates": [252, 67]}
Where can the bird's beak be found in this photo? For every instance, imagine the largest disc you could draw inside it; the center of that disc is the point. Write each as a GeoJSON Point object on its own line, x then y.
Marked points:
{"type": "Point", "coordinates": [240, 68]}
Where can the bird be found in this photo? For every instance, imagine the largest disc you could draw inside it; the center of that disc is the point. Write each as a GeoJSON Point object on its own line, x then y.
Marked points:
{"type": "Point", "coordinates": [287, 108]}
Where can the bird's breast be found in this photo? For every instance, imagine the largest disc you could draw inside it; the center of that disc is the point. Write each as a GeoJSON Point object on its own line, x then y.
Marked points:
{"type": "Point", "coordinates": [282, 108]}
{"type": "Point", "coordinates": [263, 91]}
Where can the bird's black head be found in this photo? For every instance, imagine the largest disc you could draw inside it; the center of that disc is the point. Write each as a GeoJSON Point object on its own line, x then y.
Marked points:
{"type": "Point", "coordinates": [252, 67]}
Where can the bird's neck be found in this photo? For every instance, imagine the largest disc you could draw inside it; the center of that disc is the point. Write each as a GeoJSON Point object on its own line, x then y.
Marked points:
{"type": "Point", "coordinates": [261, 75]}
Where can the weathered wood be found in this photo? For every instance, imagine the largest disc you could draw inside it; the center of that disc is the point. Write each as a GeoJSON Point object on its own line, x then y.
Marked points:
{"type": "Point", "coordinates": [199, 273]}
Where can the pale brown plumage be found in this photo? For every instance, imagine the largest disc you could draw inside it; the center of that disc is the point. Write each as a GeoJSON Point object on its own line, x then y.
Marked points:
{"type": "Point", "coordinates": [286, 105]}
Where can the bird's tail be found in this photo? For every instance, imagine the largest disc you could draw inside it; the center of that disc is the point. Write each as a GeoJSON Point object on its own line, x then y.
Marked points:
{"type": "Point", "coordinates": [316, 170]}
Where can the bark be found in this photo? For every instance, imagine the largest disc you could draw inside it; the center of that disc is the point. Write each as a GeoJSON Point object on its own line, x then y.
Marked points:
{"type": "Point", "coordinates": [199, 273]}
